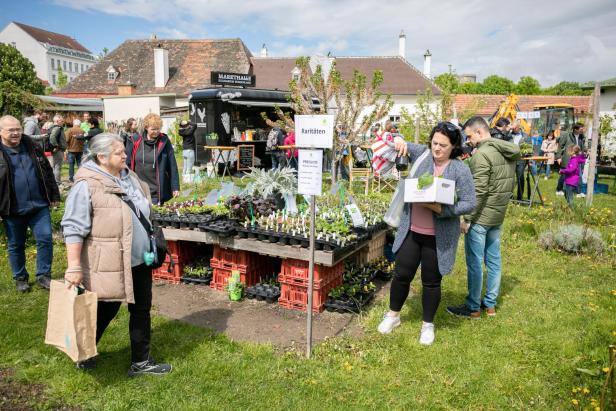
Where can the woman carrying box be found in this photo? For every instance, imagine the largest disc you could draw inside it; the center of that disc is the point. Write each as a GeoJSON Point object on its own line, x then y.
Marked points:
{"type": "Point", "coordinates": [428, 232]}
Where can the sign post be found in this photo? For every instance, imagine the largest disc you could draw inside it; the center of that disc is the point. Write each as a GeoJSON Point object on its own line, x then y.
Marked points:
{"type": "Point", "coordinates": [311, 133]}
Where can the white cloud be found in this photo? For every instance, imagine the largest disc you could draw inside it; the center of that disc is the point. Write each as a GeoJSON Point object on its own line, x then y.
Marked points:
{"type": "Point", "coordinates": [551, 40]}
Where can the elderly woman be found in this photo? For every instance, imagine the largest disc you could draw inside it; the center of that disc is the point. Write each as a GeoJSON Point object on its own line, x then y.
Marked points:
{"type": "Point", "coordinates": [151, 156]}
{"type": "Point", "coordinates": [428, 232]}
{"type": "Point", "coordinates": [106, 245]}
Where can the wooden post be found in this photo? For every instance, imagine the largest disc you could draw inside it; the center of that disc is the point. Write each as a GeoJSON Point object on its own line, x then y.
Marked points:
{"type": "Point", "coordinates": [417, 124]}
{"type": "Point", "coordinates": [590, 185]}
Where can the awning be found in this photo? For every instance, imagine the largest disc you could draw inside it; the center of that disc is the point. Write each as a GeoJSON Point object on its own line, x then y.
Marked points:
{"type": "Point", "coordinates": [259, 103]}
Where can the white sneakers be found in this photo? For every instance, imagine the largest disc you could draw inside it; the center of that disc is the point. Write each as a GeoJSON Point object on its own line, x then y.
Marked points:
{"type": "Point", "coordinates": [581, 195]}
{"type": "Point", "coordinates": [560, 193]}
{"type": "Point", "coordinates": [545, 178]}
{"type": "Point", "coordinates": [388, 324]}
{"type": "Point", "coordinates": [427, 334]}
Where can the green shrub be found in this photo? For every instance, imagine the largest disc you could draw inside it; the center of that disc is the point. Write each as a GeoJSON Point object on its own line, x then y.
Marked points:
{"type": "Point", "coordinates": [574, 239]}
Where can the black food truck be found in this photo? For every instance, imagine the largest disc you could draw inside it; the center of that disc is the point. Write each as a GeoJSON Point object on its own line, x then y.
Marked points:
{"type": "Point", "coordinates": [233, 116]}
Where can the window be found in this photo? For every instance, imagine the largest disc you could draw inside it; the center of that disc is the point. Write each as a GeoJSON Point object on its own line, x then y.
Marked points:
{"type": "Point", "coordinates": [70, 66]}
{"type": "Point", "coordinates": [112, 75]}
{"type": "Point", "coordinates": [53, 79]}
{"type": "Point", "coordinates": [64, 64]}
{"type": "Point", "coordinates": [53, 64]}
{"type": "Point", "coordinates": [395, 119]}
{"type": "Point", "coordinates": [82, 68]}
{"type": "Point", "coordinates": [295, 74]}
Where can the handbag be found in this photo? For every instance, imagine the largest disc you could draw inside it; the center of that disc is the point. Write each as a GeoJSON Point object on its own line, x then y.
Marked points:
{"type": "Point", "coordinates": [71, 321]}
{"type": "Point", "coordinates": [158, 244]}
{"type": "Point", "coordinates": [394, 212]}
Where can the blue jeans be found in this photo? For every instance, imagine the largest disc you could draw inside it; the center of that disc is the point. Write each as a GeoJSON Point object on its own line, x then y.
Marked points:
{"type": "Point", "coordinates": [481, 244]}
{"type": "Point", "coordinates": [16, 231]}
{"type": "Point", "coordinates": [548, 170]}
{"type": "Point", "coordinates": [73, 158]}
{"type": "Point", "coordinates": [189, 161]}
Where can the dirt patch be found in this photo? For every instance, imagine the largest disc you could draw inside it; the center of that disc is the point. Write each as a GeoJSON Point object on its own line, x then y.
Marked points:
{"type": "Point", "coordinates": [250, 320]}
{"type": "Point", "coordinates": [17, 396]}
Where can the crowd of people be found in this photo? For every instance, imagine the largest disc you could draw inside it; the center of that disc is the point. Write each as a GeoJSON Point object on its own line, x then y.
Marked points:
{"type": "Point", "coordinates": [115, 179]}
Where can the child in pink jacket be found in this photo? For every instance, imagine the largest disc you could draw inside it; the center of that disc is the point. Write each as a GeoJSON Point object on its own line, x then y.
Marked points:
{"type": "Point", "coordinates": [572, 171]}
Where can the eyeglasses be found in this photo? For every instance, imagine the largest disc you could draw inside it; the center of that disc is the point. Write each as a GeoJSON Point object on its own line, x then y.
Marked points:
{"type": "Point", "coordinates": [447, 125]}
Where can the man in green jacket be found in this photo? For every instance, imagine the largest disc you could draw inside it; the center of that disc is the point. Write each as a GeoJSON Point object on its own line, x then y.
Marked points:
{"type": "Point", "coordinates": [493, 169]}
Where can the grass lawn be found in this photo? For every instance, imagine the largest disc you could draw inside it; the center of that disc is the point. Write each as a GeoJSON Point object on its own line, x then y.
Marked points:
{"type": "Point", "coordinates": [555, 315]}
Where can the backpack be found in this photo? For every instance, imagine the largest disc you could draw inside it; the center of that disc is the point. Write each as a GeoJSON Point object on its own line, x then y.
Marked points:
{"type": "Point", "coordinates": [48, 147]}
{"type": "Point", "coordinates": [272, 140]}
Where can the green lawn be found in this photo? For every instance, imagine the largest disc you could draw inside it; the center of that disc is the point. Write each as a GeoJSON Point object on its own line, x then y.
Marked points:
{"type": "Point", "coordinates": [556, 314]}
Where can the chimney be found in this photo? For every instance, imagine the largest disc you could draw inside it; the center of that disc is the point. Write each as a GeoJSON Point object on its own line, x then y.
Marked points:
{"type": "Point", "coordinates": [402, 44]}
{"type": "Point", "coordinates": [161, 66]}
{"type": "Point", "coordinates": [126, 89]}
{"type": "Point", "coordinates": [427, 61]}
{"type": "Point", "coordinates": [263, 51]}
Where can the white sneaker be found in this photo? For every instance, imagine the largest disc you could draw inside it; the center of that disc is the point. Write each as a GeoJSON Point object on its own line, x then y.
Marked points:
{"type": "Point", "coordinates": [545, 178]}
{"type": "Point", "coordinates": [581, 195]}
{"type": "Point", "coordinates": [427, 334]}
{"type": "Point", "coordinates": [388, 324]}
{"type": "Point", "coordinates": [560, 193]}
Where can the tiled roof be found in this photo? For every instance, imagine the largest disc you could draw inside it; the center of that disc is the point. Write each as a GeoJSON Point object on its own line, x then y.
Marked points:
{"type": "Point", "coordinates": [486, 104]}
{"type": "Point", "coordinates": [54, 39]}
{"type": "Point", "coordinates": [399, 77]}
{"type": "Point", "coordinates": [190, 65]}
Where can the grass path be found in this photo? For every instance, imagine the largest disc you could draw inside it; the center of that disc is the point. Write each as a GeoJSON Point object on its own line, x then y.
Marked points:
{"type": "Point", "coordinates": [556, 314]}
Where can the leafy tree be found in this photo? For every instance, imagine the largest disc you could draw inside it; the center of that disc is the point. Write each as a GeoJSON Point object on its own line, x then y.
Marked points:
{"type": "Point", "coordinates": [471, 88]}
{"type": "Point", "coordinates": [567, 88]}
{"type": "Point", "coordinates": [447, 82]}
{"type": "Point", "coordinates": [62, 78]}
{"type": "Point", "coordinates": [528, 86]}
{"type": "Point", "coordinates": [497, 85]}
{"type": "Point", "coordinates": [18, 82]}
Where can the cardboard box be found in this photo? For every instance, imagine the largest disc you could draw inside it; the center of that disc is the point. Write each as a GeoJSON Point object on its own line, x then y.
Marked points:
{"type": "Point", "coordinates": [441, 191]}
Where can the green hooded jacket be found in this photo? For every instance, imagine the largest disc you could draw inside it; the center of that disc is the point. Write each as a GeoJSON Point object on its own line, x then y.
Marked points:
{"type": "Point", "coordinates": [493, 169]}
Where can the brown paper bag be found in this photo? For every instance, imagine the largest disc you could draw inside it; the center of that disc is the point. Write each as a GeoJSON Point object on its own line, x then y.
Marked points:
{"type": "Point", "coordinates": [71, 321]}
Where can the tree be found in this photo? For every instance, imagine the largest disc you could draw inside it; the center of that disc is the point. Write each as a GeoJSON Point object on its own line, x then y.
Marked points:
{"type": "Point", "coordinates": [528, 86]}
{"type": "Point", "coordinates": [18, 83]}
{"type": "Point", "coordinates": [448, 82]}
{"type": "Point", "coordinates": [471, 88]}
{"type": "Point", "coordinates": [351, 97]}
{"type": "Point", "coordinates": [567, 88]}
{"type": "Point", "coordinates": [62, 78]}
{"type": "Point", "coordinates": [497, 85]}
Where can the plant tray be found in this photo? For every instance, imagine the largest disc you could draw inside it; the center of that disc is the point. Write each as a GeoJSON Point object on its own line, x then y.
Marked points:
{"type": "Point", "coordinates": [196, 281]}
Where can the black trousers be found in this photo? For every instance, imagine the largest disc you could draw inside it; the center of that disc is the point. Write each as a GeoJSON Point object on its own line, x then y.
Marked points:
{"type": "Point", "coordinates": [417, 248]}
{"type": "Point", "coordinates": [139, 324]}
{"type": "Point", "coordinates": [519, 173]}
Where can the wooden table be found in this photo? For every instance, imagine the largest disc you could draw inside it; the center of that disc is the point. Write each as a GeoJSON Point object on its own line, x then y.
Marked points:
{"type": "Point", "coordinates": [220, 156]}
{"type": "Point", "coordinates": [326, 258]}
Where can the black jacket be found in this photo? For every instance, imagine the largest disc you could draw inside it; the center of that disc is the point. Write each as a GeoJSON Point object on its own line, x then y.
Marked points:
{"type": "Point", "coordinates": [188, 136]}
{"type": "Point", "coordinates": [43, 171]}
{"type": "Point", "coordinates": [496, 133]}
{"type": "Point", "coordinates": [166, 166]}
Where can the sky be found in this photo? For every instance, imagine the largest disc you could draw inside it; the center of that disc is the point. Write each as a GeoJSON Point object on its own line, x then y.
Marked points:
{"type": "Point", "coordinates": [549, 40]}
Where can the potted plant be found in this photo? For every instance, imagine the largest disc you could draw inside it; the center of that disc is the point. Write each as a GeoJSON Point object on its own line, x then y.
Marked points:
{"type": "Point", "coordinates": [235, 288]}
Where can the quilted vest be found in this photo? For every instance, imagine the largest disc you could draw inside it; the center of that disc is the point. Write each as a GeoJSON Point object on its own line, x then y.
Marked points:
{"type": "Point", "coordinates": [106, 252]}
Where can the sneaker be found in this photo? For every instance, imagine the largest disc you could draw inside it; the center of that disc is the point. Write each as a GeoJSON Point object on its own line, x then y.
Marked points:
{"type": "Point", "coordinates": [464, 311]}
{"type": "Point", "coordinates": [427, 334]}
{"type": "Point", "coordinates": [43, 281]}
{"type": "Point", "coordinates": [581, 195]}
{"type": "Point", "coordinates": [560, 193]}
{"type": "Point", "coordinates": [545, 178]}
{"type": "Point", "coordinates": [490, 311]}
{"type": "Point", "coordinates": [148, 367]}
{"type": "Point", "coordinates": [22, 286]}
{"type": "Point", "coordinates": [86, 365]}
{"type": "Point", "coordinates": [388, 324]}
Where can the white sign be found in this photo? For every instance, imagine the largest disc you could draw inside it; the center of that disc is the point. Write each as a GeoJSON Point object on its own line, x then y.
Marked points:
{"type": "Point", "coordinates": [310, 172]}
{"type": "Point", "coordinates": [358, 219]}
{"type": "Point", "coordinates": [528, 114]}
{"type": "Point", "coordinates": [441, 191]}
{"type": "Point", "coordinates": [314, 131]}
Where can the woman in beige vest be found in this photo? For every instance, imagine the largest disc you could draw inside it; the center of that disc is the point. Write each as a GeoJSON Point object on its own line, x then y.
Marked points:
{"type": "Point", "coordinates": [106, 242]}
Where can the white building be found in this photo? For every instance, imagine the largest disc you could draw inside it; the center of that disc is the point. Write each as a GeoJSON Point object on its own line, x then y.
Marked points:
{"type": "Point", "coordinates": [48, 51]}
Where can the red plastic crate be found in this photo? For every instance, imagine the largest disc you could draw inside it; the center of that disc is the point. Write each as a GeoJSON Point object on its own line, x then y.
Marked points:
{"type": "Point", "coordinates": [220, 278]}
{"type": "Point", "coordinates": [295, 297]}
{"type": "Point", "coordinates": [173, 277]}
{"type": "Point", "coordinates": [296, 272]}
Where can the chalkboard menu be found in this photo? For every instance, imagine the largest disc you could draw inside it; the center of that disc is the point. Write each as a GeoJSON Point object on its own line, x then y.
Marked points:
{"type": "Point", "coordinates": [245, 156]}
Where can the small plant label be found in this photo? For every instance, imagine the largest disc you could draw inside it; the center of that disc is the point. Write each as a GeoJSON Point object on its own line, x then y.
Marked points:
{"type": "Point", "coordinates": [310, 172]}
{"type": "Point", "coordinates": [355, 213]}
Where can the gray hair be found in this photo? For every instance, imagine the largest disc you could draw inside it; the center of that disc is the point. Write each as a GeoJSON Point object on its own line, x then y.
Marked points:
{"type": "Point", "coordinates": [7, 117]}
{"type": "Point", "coordinates": [76, 122]}
{"type": "Point", "coordinates": [57, 117]}
{"type": "Point", "coordinates": [101, 144]}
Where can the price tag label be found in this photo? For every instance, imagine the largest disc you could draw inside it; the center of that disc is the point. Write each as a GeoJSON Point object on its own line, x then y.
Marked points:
{"type": "Point", "coordinates": [310, 173]}
{"type": "Point", "coordinates": [358, 219]}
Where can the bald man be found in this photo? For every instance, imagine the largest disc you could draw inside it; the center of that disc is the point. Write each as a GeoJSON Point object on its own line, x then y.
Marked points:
{"type": "Point", "coordinates": [27, 190]}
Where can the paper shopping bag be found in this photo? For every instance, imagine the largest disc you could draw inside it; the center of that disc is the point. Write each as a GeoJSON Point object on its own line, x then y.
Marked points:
{"type": "Point", "coordinates": [71, 321]}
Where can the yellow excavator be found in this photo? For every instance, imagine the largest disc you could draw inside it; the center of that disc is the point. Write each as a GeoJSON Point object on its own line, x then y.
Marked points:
{"type": "Point", "coordinates": [558, 117]}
